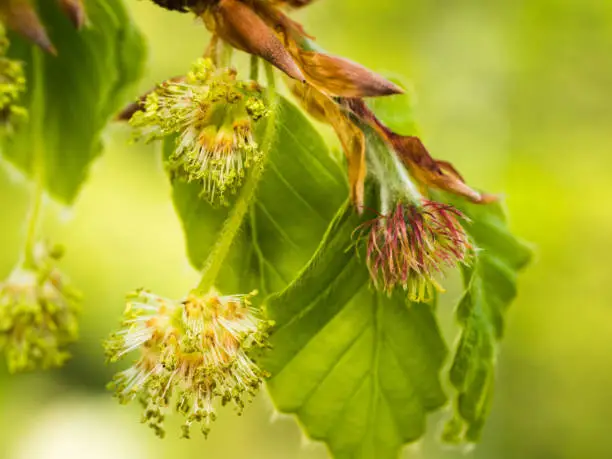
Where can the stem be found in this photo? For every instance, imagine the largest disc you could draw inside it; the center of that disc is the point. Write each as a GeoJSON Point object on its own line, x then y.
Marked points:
{"type": "Point", "coordinates": [409, 189]}
{"type": "Point", "coordinates": [232, 225]}
{"type": "Point", "coordinates": [226, 54]}
{"type": "Point", "coordinates": [38, 159]}
{"type": "Point", "coordinates": [379, 173]}
{"type": "Point", "coordinates": [254, 75]}
{"type": "Point", "coordinates": [211, 49]}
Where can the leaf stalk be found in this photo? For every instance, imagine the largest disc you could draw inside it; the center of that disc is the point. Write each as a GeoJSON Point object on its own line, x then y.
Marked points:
{"type": "Point", "coordinates": [232, 225]}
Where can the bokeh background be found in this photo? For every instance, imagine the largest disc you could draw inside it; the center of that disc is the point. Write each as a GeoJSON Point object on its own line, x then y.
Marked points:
{"type": "Point", "coordinates": [516, 93]}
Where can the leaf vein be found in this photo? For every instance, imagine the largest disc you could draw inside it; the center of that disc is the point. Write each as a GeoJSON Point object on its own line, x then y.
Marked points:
{"type": "Point", "coordinates": [353, 342]}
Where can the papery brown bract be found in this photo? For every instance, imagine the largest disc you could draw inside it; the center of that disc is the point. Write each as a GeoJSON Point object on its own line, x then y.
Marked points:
{"type": "Point", "coordinates": [75, 10]}
{"type": "Point", "coordinates": [182, 6]}
{"type": "Point", "coordinates": [351, 137]}
{"type": "Point", "coordinates": [21, 17]}
{"type": "Point", "coordinates": [341, 77]}
{"type": "Point", "coordinates": [239, 25]}
{"type": "Point", "coordinates": [262, 29]}
{"type": "Point", "coordinates": [295, 3]}
{"type": "Point", "coordinates": [428, 171]}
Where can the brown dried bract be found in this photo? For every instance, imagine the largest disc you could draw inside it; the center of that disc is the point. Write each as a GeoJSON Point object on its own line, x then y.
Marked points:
{"type": "Point", "coordinates": [21, 17]}
{"type": "Point", "coordinates": [241, 27]}
{"type": "Point", "coordinates": [75, 10]}
{"type": "Point", "coordinates": [351, 137]}
{"type": "Point", "coordinates": [342, 77]}
{"type": "Point", "coordinates": [295, 3]}
{"type": "Point", "coordinates": [263, 29]}
{"type": "Point", "coordinates": [415, 157]}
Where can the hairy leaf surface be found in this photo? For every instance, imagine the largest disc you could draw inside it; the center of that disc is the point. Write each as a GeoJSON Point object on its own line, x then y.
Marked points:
{"type": "Point", "coordinates": [298, 195]}
{"type": "Point", "coordinates": [81, 90]}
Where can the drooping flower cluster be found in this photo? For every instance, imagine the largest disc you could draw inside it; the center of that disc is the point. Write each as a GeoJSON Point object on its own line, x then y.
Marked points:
{"type": "Point", "coordinates": [38, 310]}
{"type": "Point", "coordinates": [412, 244]}
{"type": "Point", "coordinates": [12, 86]}
{"type": "Point", "coordinates": [194, 353]}
{"type": "Point", "coordinates": [213, 116]}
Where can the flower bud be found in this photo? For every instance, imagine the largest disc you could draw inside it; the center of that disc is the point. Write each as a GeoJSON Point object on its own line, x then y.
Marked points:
{"type": "Point", "coordinates": [38, 311]}
{"type": "Point", "coordinates": [193, 355]}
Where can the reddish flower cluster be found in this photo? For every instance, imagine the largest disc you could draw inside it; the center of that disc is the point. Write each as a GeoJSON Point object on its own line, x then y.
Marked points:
{"type": "Point", "coordinates": [411, 245]}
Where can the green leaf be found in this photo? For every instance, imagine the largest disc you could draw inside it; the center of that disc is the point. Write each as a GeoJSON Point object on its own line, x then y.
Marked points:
{"type": "Point", "coordinates": [298, 195]}
{"type": "Point", "coordinates": [358, 368]}
{"type": "Point", "coordinates": [81, 90]}
{"type": "Point", "coordinates": [490, 288]}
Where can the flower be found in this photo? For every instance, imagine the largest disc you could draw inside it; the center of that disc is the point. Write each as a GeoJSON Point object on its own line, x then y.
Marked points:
{"type": "Point", "coordinates": [412, 244]}
{"type": "Point", "coordinates": [193, 353]}
{"type": "Point", "coordinates": [12, 85]}
{"type": "Point", "coordinates": [213, 115]}
{"type": "Point", "coordinates": [38, 309]}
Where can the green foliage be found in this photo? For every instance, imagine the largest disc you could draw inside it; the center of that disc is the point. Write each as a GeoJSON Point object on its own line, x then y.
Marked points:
{"type": "Point", "coordinates": [340, 357]}
{"type": "Point", "coordinates": [299, 193]}
{"type": "Point", "coordinates": [490, 288]}
{"type": "Point", "coordinates": [81, 89]}
{"type": "Point", "coordinates": [360, 369]}
{"type": "Point", "coordinates": [490, 284]}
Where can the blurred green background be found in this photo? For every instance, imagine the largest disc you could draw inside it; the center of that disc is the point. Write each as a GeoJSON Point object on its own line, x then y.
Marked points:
{"type": "Point", "coordinates": [517, 94]}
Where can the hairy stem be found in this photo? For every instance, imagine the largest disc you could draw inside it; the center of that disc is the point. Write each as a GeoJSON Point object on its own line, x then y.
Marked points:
{"type": "Point", "coordinates": [38, 158]}
{"type": "Point", "coordinates": [232, 225]}
{"type": "Point", "coordinates": [254, 74]}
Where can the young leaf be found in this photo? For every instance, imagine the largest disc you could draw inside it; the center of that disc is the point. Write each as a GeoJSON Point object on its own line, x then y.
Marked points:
{"type": "Point", "coordinates": [358, 368]}
{"type": "Point", "coordinates": [490, 288]}
{"type": "Point", "coordinates": [301, 189]}
{"type": "Point", "coordinates": [82, 87]}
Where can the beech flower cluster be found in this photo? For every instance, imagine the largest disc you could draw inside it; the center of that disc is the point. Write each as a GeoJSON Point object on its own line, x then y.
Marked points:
{"type": "Point", "coordinates": [213, 116]}
{"type": "Point", "coordinates": [193, 354]}
{"type": "Point", "coordinates": [38, 312]}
